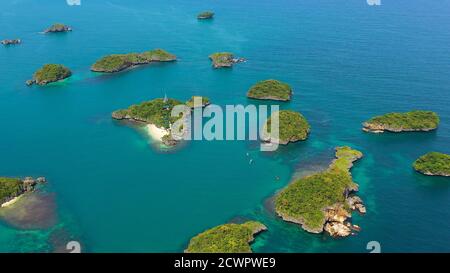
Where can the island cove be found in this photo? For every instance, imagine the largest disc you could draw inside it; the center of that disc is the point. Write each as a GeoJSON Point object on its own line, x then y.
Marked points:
{"type": "Point", "coordinates": [119, 62]}
{"type": "Point", "coordinates": [155, 115]}
{"type": "Point", "coordinates": [323, 201]}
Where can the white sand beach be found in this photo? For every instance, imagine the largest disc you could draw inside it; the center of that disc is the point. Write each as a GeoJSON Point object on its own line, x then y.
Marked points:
{"type": "Point", "coordinates": [155, 132]}
{"type": "Point", "coordinates": [10, 202]}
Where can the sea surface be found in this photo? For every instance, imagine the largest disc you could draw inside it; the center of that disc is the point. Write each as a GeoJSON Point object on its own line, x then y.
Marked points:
{"type": "Point", "coordinates": [115, 192]}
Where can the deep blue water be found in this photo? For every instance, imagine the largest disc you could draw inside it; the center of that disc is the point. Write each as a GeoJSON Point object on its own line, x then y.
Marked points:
{"type": "Point", "coordinates": [346, 60]}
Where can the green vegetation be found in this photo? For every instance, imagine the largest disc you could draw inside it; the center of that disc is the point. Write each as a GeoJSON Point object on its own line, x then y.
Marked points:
{"type": "Point", "coordinates": [433, 163]}
{"type": "Point", "coordinates": [206, 15]}
{"type": "Point", "coordinates": [204, 101]}
{"type": "Point", "coordinates": [157, 112]}
{"type": "Point", "coordinates": [408, 121]}
{"type": "Point", "coordinates": [228, 238]}
{"type": "Point", "coordinates": [119, 62]}
{"type": "Point", "coordinates": [9, 188]}
{"type": "Point", "coordinates": [304, 200]}
{"type": "Point", "coordinates": [292, 127]}
{"type": "Point", "coordinates": [58, 27]}
{"type": "Point", "coordinates": [345, 156]}
{"type": "Point", "coordinates": [222, 59]}
{"type": "Point", "coordinates": [270, 90]}
{"type": "Point", "coordinates": [51, 73]}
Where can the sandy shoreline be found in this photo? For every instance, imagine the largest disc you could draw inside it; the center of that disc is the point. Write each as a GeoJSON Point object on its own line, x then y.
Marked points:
{"type": "Point", "coordinates": [10, 202]}
{"type": "Point", "coordinates": [155, 132]}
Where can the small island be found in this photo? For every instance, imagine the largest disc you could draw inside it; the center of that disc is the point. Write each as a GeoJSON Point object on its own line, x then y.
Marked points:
{"type": "Point", "coordinates": [270, 90]}
{"type": "Point", "coordinates": [205, 15]}
{"type": "Point", "coordinates": [118, 62]}
{"type": "Point", "coordinates": [403, 122]}
{"type": "Point", "coordinates": [49, 73]}
{"type": "Point", "coordinates": [12, 188]}
{"type": "Point", "coordinates": [202, 102]}
{"type": "Point", "coordinates": [58, 28]}
{"type": "Point", "coordinates": [11, 42]}
{"type": "Point", "coordinates": [224, 59]}
{"type": "Point", "coordinates": [155, 115]}
{"type": "Point", "coordinates": [323, 201]}
{"type": "Point", "coordinates": [433, 163]}
{"type": "Point", "coordinates": [293, 127]}
{"type": "Point", "coordinates": [228, 238]}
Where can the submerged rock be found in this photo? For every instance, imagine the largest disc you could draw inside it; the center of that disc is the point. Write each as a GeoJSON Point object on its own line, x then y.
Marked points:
{"type": "Point", "coordinates": [34, 210]}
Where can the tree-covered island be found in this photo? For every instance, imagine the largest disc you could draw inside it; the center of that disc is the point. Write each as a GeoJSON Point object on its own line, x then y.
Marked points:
{"type": "Point", "coordinates": [205, 15]}
{"type": "Point", "coordinates": [270, 90]}
{"type": "Point", "coordinates": [402, 122]}
{"type": "Point", "coordinates": [118, 62]}
{"type": "Point", "coordinates": [323, 201]}
{"type": "Point", "coordinates": [227, 238]}
{"type": "Point", "coordinates": [433, 163]}
{"type": "Point", "coordinates": [50, 73]}
{"type": "Point", "coordinates": [155, 114]}
{"type": "Point", "coordinates": [292, 127]}
{"type": "Point", "coordinates": [12, 188]}
{"type": "Point", "coordinates": [58, 28]}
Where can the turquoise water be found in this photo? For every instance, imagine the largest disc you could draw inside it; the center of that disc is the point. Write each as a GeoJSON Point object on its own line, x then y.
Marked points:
{"type": "Point", "coordinates": [346, 61]}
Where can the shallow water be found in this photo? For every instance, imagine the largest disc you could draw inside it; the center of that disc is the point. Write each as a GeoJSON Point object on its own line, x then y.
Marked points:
{"type": "Point", "coordinates": [346, 61]}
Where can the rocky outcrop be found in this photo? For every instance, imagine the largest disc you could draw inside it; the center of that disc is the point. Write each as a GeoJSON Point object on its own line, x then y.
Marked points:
{"type": "Point", "coordinates": [337, 222]}
{"type": "Point", "coordinates": [205, 15]}
{"type": "Point", "coordinates": [169, 141]}
{"type": "Point", "coordinates": [435, 173]}
{"type": "Point", "coordinates": [58, 28]}
{"type": "Point", "coordinates": [11, 42]}
{"type": "Point", "coordinates": [224, 59]}
{"type": "Point", "coordinates": [355, 203]}
{"type": "Point", "coordinates": [337, 229]}
{"type": "Point", "coordinates": [381, 128]}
